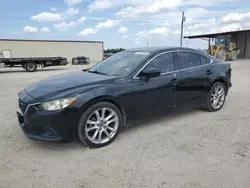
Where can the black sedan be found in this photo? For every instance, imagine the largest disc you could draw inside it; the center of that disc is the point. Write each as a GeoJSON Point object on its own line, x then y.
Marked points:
{"type": "Point", "coordinates": [93, 105]}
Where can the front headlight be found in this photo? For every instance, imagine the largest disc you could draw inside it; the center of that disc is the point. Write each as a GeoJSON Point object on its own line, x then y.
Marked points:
{"type": "Point", "coordinates": [58, 104]}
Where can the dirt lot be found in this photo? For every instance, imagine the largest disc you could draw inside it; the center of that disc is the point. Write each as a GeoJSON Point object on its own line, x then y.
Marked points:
{"type": "Point", "coordinates": [191, 149]}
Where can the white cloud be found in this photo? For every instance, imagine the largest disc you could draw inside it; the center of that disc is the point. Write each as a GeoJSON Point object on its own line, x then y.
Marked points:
{"type": "Point", "coordinates": [87, 32]}
{"type": "Point", "coordinates": [157, 7]}
{"type": "Point", "coordinates": [45, 29]}
{"type": "Point", "coordinates": [152, 36]}
{"type": "Point", "coordinates": [72, 2]}
{"type": "Point", "coordinates": [47, 17]}
{"type": "Point", "coordinates": [231, 27]}
{"type": "Point", "coordinates": [64, 26]}
{"type": "Point", "coordinates": [53, 9]}
{"type": "Point", "coordinates": [177, 32]}
{"type": "Point", "coordinates": [123, 29]}
{"type": "Point", "coordinates": [207, 3]}
{"type": "Point", "coordinates": [210, 26]}
{"type": "Point", "coordinates": [72, 11]}
{"type": "Point", "coordinates": [236, 17]}
{"type": "Point", "coordinates": [153, 33]}
{"type": "Point", "coordinates": [96, 18]}
{"type": "Point", "coordinates": [29, 29]}
{"type": "Point", "coordinates": [81, 20]}
{"type": "Point", "coordinates": [202, 25]}
{"type": "Point", "coordinates": [108, 23]}
{"type": "Point", "coordinates": [159, 31]}
{"type": "Point", "coordinates": [140, 33]}
{"type": "Point", "coordinates": [122, 3]}
{"type": "Point", "coordinates": [137, 42]}
{"type": "Point", "coordinates": [126, 12]}
{"type": "Point", "coordinates": [125, 36]}
{"type": "Point", "coordinates": [194, 14]}
{"type": "Point", "coordinates": [100, 4]}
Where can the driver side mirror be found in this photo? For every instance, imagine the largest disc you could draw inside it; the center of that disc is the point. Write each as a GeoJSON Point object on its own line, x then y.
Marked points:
{"type": "Point", "coordinates": [150, 73]}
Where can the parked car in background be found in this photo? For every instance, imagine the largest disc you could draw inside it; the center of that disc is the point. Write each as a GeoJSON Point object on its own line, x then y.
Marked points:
{"type": "Point", "coordinates": [81, 60]}
{"type": "Point", "coordinates": [95, 104]}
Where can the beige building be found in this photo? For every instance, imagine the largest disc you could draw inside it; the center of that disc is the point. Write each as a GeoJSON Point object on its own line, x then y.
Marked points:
{"type": "Point", "coordinates": [16, 48]}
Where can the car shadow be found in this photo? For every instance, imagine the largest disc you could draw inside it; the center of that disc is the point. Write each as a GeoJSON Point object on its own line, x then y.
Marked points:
{"type": "Point", "coordinates": [58, 146]}
{"type": "Point", "coordinates": [157, 119]}
{"type": "Point", "coordinates": [75, 145]}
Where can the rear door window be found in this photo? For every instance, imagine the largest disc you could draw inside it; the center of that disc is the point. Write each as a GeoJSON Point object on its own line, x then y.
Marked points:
{"type": "Point", "coordinates": [189, 60]}
{"type": "Point", "coordinates": [205, 60]}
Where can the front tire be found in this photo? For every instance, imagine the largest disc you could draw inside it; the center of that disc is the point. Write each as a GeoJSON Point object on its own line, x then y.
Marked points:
{"type": "Point", "coordinates": [99, 125]}
{"type": "Point", "coordinates": [216, 97]}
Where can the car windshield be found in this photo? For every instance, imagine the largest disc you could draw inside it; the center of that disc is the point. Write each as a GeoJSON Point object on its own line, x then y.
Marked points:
{"type": "Point", "coordinates": [120, 64]}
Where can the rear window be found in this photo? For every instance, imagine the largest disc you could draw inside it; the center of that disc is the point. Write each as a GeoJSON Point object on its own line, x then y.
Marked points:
{"type": "Point", "coordinates": [189, 59]}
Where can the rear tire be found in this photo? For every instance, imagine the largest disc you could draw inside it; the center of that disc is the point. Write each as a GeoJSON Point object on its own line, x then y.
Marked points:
{"type": "Point", "coordinates": [97, 131]}
{"type": "Point", "coordinates": [30, 67]}
{"type": "Point", "coordinates": [216, 97]}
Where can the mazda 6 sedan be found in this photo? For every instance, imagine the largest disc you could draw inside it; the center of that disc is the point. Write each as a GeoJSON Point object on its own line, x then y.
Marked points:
{"type": "Point", "coordinates": [94, 104]}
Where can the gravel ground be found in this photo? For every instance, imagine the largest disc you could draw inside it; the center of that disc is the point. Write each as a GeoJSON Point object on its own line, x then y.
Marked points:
{"type": "Point", "coordinates": [190, 149]}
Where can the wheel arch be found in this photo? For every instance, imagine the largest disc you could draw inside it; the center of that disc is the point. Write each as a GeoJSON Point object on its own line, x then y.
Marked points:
{"type": "Point", "coordinates": [222, 80]}
{"type": "Point", "coordinates": [109, 99]}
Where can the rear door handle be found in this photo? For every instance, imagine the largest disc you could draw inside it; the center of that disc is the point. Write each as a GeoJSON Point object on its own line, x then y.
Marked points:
{"type": "Point", "coordinates": [209, 72]}
{"type": "Point", "coordinates": [174, 81]}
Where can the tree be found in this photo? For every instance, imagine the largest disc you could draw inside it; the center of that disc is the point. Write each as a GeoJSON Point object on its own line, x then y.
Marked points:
{"type": "Point", "coordinates": [113, 50]}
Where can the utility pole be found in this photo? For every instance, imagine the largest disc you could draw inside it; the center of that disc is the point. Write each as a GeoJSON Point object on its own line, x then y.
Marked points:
{"type": "Point", "coordinates": [147, 44]}
{"type": "Point", "coordinates": [183, 19]}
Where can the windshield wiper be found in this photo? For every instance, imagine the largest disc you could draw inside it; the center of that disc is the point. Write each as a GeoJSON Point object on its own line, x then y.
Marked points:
{"type": "Point", "coordinates": [97, 72]}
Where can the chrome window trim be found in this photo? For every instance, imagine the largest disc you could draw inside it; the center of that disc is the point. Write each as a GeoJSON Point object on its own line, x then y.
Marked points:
{"type": "Point", "coordinates": [135, 76]}
{"type": "Point", "coordinates": [28, 106]}
{"type": "Point", "coordinates": [179, 70]}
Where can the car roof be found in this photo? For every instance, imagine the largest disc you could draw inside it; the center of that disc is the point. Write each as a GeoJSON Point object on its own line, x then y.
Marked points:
{"type": "Point", "coordinates": [155, 49]}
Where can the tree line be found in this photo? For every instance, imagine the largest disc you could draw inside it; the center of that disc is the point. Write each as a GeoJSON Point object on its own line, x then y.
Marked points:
{"type": "Point", "coordinates": [114, 50]}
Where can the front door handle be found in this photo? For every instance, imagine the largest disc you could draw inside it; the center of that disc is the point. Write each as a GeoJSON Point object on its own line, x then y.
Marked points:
{"type": "Point", "coordinates": [174, 81]}
{"type": "Point", "coordinates": [209, 72]}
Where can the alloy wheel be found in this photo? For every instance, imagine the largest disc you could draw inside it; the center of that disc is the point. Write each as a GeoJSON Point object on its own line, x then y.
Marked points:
{"type": "Point", "coordinates": [102, 125]}
{"type": "Point", "coordinates": [218, 97]}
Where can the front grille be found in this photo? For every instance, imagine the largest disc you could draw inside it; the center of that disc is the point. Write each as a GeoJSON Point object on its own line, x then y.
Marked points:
{"type": "Point", "coordinates": [23, 106]}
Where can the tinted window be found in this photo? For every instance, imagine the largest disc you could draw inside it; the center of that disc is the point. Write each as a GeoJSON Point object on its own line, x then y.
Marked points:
{"type": "Point", "coordinates": [189, 59]}
{"type": "Point", "coordinates": [205, 60]}
{"type": "Point", "coordinates": [164, 62]}
{"type": "Point", "coordinates": [121, 64]}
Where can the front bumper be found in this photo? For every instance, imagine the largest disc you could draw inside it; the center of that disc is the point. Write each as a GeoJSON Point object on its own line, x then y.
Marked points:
{"type": "Point", "coordinates": [38, 133]}
{"type": "Point", "coordinates": [48, 126]}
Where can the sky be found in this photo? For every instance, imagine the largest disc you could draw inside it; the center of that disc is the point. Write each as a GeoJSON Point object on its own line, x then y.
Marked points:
{"type": "Point", "coordinates": [120, 23]}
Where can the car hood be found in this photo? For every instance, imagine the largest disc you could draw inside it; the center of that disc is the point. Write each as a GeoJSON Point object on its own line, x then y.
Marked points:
{"type": "Point", "coordinates": [67, 84]}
